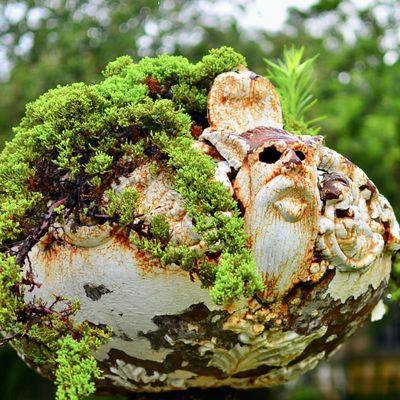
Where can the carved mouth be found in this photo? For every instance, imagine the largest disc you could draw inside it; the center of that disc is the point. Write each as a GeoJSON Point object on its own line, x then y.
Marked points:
{"type": "Point", "coordinates": [290, 197]}
{"type": "Point", "coordinates": [291, 209]}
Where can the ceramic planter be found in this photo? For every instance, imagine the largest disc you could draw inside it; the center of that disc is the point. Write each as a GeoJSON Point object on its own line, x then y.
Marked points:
{"type": "Point", "coordinates": [321, 234]}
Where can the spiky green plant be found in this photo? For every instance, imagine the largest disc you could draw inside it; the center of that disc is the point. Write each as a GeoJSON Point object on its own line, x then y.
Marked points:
{"type": "Point", "coordinates": [294, 79]}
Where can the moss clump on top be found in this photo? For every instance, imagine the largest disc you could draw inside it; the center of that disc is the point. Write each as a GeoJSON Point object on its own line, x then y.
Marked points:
{"type": "Point", "coordinates": [159, 228]}
{"type": "Point", "coordinates": [122, 205]}
{"type": "Point", "coordinates": [72, 143]}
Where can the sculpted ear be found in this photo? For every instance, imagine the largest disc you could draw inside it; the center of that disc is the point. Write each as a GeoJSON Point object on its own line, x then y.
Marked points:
{"type": "Point", "coordinates": [231, 146]}
{"type": "Point", "coordinates": [239, 101]}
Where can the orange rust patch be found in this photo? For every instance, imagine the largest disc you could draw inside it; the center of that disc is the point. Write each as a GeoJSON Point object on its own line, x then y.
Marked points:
{"type": "Point", "coordinates": [270, 284]}
{"type": "Point", "coordinates": [47, 241]}
{"type": "Point", "coordinates": [121, 236]}
{"type": "Point", "coordinates": [283, 309]}
{"type": "Point", "coordinates": [51, 247]}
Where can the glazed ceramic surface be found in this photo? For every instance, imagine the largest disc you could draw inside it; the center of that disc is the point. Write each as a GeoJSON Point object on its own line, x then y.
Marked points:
{"type": "Point", "coordinates": [321, 234]}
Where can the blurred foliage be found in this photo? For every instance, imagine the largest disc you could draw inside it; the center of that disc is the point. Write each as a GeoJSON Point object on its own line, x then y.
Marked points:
{"type": "Point", "coordinates": [50, 42]}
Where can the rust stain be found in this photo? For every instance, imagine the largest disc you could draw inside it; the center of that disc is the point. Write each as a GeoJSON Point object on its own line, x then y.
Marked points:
{"type": "Point", "coordinates": [121, 237]}
{"type": "Point", "coordinates": [196, 131]}
{"type": "Point", "coordinates": [236, 100]}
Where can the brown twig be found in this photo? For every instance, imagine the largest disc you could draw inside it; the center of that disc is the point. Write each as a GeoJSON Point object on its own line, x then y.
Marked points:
{"type": "Point", "coordinates": [39, 232]}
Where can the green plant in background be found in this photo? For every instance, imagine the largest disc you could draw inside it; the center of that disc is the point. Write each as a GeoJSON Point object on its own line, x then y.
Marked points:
{"type": "Point", "coordinates": [294, 80]}
{"type": "Point", "coordinates": [394, 284]}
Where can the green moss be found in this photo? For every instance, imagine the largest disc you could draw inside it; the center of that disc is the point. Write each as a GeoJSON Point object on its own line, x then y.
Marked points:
{"type": "Point", "coordinates": [10, 302]}
{"type": "Point", "coordinates": [218, 61]}
{"type": "Point", "coordinates": [133, 150]}
{"type": "Point", "coordinates": [122, 204]}
{"type": "Point", "coordinates": [236, 276]}
{"type": "Point", "coordinates": [159, 228]}
{"type": "Point", "coordinates": [118, 67]}
{"type": "Point", "coordinates": [98, 164]}
{"type": "Point", "coordinates": [76, 368]}
{"type": "Point", "coordinates": [193, 97]}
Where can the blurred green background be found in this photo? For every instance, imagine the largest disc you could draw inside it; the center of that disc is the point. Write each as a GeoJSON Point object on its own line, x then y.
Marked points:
{"type": "Point", "coordinates": [44, 43]}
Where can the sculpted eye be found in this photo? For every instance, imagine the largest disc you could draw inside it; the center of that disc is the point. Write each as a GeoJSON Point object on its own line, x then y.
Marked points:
{"type": "Point", "coordinates": [300, 155]}
{"type": "Point", "coordinates": [270, 155]}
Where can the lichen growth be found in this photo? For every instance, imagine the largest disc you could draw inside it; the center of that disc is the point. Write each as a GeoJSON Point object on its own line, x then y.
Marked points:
{"type": "Point", "coordinates": [72, 144]}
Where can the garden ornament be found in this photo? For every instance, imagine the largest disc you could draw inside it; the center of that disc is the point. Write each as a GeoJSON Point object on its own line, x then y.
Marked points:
{"type": "Point", "coordinates": [321, 235]}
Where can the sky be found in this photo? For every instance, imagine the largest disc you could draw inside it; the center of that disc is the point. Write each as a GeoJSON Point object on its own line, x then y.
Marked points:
{"type": "Point", "coordinates": [270, 14]}
{"type": "Point", "coordinates": [264, 14]}
{"type": "Point", "coordinates": [267, 15]}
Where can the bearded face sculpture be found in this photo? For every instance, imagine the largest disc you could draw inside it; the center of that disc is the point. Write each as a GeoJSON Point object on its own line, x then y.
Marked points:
{"type": "Point", "coordinates": [277, 186]}
{"type": "Point", "coordinates": [322, 238]}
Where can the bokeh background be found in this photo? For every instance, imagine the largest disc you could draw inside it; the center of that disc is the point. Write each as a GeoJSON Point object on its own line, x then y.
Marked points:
{"type": "Point", "coordinates": [44, 43]}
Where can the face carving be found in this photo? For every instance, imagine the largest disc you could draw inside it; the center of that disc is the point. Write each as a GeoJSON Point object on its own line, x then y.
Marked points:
{"type": "Point", "coordinates": [306, 208]}
{"type": "Point", "coordinates": [277, 186]}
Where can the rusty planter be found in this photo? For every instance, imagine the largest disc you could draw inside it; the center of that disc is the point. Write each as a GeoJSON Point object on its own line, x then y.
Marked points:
{"type": "Point", "coordinates": [321, 234]}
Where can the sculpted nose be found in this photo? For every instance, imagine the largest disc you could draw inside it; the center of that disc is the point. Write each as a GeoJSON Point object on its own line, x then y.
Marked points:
{"type": "Point", "coordinates": [293, 159]}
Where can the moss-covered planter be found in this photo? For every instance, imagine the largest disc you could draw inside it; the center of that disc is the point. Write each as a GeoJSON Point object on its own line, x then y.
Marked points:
{"type": "Point", "coordinates": [163, 224]}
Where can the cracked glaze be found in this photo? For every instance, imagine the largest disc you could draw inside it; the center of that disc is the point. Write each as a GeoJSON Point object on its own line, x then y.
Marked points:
{"type": "Point", "coordinates": [322, 238]}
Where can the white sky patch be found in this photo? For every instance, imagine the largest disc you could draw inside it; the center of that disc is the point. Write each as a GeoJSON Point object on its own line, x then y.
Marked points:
{"type": "Point", "coordinates": [390, 57]}
{"type": "Point", "coordinates": [270, 14]}
{"type": "Point", "coordinates": [15, 12]}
